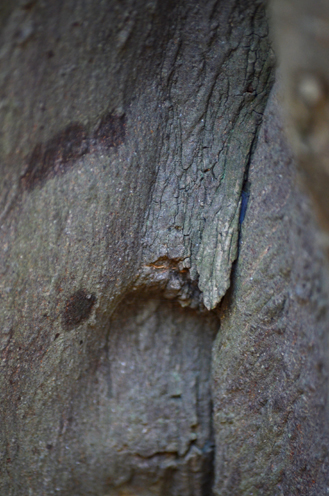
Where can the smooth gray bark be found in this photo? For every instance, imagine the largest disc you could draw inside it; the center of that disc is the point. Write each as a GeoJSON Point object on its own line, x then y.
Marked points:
{"type": "Point", "coordinates": [129, 148]}
{"type": "Point", "coordinates": [270, 356]}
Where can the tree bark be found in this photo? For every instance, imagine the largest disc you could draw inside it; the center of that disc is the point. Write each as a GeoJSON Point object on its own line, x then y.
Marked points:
{"type": "Point", "coordinates": [270, 355]}
{"type": "Point", "coordinates": [142, 183]}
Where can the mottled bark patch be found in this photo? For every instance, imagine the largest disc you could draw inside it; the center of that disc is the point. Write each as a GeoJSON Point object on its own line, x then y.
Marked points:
{"type": "Point", "coordinates": [111, 131]}
{"type": "Point", "coordinates": [77, 308]}
{"type": "Point", "coordinates": [55, 156]}
{"type": "Point", "coordinates": [58, 155]}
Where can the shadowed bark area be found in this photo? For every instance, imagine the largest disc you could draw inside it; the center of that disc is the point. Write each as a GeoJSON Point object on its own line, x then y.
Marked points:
{"type": "Point", "coordinates": [126, 136]}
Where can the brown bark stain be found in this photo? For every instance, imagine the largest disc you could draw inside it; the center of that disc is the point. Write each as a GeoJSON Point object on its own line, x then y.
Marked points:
{"type": "Point", "coordinates": [59, 154]}
{"type": "Point", "coordinates": [78, 307]}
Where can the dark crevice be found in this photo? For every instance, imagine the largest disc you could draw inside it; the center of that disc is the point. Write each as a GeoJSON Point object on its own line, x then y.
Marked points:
{"type": "Point", "coordinates": [245, 195]}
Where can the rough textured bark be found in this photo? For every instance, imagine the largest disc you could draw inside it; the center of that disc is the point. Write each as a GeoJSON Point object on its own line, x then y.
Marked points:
{"type": "Point", "coordinates": [129, 147]}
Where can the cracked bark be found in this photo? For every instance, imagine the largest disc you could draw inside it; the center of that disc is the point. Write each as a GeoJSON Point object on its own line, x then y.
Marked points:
{"type": "Point", "coordinates": [128, 132]}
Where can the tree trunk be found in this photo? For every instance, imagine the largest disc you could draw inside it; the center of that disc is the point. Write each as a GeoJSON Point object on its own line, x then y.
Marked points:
{"type": "Point", "coordinates": [163, 293]}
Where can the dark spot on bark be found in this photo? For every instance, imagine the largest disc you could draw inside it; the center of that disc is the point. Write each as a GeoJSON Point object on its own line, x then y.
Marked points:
{"type": "Point", "coordinates": [29, 5]}
{"type": "Point", "coordinates": [49, 446]}
{"type": "Point", "coordinates": [111, 131]}
{"type": "Point", "coordinates": [278, 404]}
{"type": "Point", "coordinates": [50, 54]}
{"type": "Point", "coordinates": [78, 308]}
{"type": "Point", "coordinates": [75, 24]}
{"type": "Point", "coordinates": [58, 155]}
{"type": "Point", "coordinates": [55, 156]}
{"type": "Point", "coordinates": [56, 335]}
{"type": "Point", "coordinates": [81, 342]}
{"type": "Point", "coordinates": [68, 145]}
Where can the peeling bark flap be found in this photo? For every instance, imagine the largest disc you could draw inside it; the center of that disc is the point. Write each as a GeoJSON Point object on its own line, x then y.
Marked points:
{"type": "Point", "coordinates": [208, 134]}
